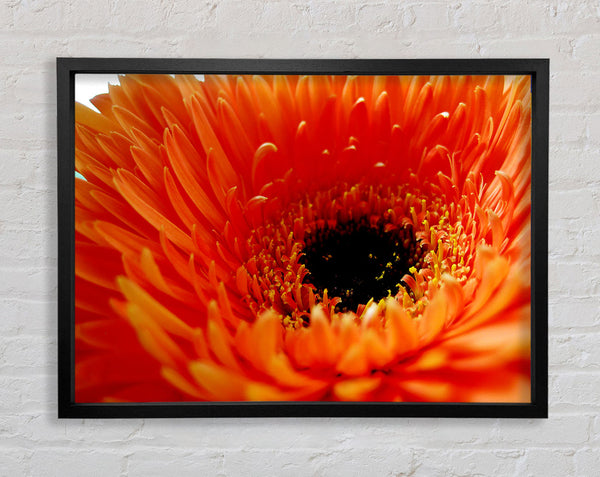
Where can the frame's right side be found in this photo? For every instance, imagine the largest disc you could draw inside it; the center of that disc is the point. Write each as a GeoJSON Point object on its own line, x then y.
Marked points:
{"type": "Point", "coordinates": [539, 237]}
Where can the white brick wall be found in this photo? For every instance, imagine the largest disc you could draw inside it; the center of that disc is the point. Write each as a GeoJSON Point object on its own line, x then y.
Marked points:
{"type": "Point", "coordinates": [33, 442]}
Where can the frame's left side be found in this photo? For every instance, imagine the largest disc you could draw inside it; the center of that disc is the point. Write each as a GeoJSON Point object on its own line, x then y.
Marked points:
{"type": "Point", "coordinates": [66, 225]}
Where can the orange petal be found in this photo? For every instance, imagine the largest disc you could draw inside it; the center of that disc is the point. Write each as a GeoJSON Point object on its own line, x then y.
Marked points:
{"type": "Point", "coordinates": [402, 331]}
{"type": "Point", "coordinates": [92, 119]}
{"type": "Point", "coordinates": [154, 310]}
{"type": "Point", "coordinates": [221, 383]}
{"type": "Point", "coordinates": [356, 389]}
{"type": "Point", "coordinates": [354, 361]}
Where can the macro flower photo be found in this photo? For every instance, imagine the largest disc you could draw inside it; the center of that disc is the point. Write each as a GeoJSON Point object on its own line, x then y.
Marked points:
{"type": "Point", "coordinates": [304, 238]}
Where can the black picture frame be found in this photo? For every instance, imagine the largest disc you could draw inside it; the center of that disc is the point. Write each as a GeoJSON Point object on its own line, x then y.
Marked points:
{"type": "Point", "coordinates": [67, 68]}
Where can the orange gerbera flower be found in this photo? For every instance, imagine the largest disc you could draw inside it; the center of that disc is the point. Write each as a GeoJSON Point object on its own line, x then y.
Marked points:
{"type": "Point", "coordinates": [304, 238]}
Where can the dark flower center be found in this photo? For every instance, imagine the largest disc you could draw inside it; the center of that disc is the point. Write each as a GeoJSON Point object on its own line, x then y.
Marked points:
{"type": "Point", "coordinates": [358, 261]}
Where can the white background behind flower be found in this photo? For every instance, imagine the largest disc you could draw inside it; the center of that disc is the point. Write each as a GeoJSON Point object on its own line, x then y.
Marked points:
{"type": "Point", "coordinates": [34, 442]}
{"type": "Point", "coordinates": [87, 86]}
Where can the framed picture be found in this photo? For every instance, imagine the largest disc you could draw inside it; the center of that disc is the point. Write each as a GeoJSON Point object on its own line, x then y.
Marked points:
{"type": "Point", "coordinates": [302, 237]}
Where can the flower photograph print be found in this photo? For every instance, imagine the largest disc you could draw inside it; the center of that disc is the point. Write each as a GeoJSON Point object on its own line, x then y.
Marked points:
{"type": "Point", "coordinates": [303, 238]}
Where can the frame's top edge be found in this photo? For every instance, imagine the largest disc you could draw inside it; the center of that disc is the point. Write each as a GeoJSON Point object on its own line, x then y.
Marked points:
{"type": "Point", "coordinates": [305, 65]}
{"type": "Point", "coordinates": [296, 59]}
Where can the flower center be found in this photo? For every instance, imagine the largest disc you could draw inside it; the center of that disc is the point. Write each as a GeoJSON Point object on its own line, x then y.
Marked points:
{"type": "Point", "coordinates": [359, 261]}
{"type": "Point", "coordinates": [344, 247]}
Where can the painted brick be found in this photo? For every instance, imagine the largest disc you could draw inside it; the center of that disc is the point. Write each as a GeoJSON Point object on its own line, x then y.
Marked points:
{"type": "Point", "coordinates": [467, 462]}
{"type": "Point", "coordinates": [573, 204]}
{"type": "Point", "coordinates": [595, 431]}
{"type": "Point", "coordinates": [593, 128]}
{"type": "Point", "coordinates": [44, 15]}
{"type": "Point", "coordinates": [18, 167]}
{"type": "Point", "coordinates": [568, 127]}
{"type": "Point", "coordinates": [332, 16]}
{"type": "Point", "coordinates": [322, 462]}
{"type": "Point", "coordinates": [203, 14]}
{"type": "Point", "coordinates": [576, 388]}
{"type": "Point", "coordinates": [22, 355]}
{"type": "Point", "coordinates": [15, 462]}
{"type": "Point", "coordinates": [130, 45]}
{"type": "Point", "coordinates": [103, 431]}
{"type": "Point", "coordinates": [476, 16]}
{"type": "Point", "coordinates": [574, 165]}
{"type": "Point", "coordinates": [24, 206]}
{"type": "Point", "coordinates": [575, 350]}
{"type": "Point", "coordinates": [430, 16]}
{"type": "Point", "coordinates": [548, 462]}
{"type": "Point", "coordinates": [562, 91]}
{"type": "Point", "coordinates": [379, 17]}
{"type": "Point", "coordinates": [89, 462]}
{"type": "Point", "coordinates": [90, 16]}
{"type": "Point", "coordinates": [566, 430]}
{"type": "Point", "coordinates": [563, 241]}
{"type": "Point", "coordinates": [585, 49]}
{"type": "Point", "coordinates": [23, 395]}
{"type": "Point", "coordinates": [161, 461]}
{"type": "Point", "coordinates": [25, 283]}
{"type": "Point", "coordinates": [574, 312]}
{"type": "Point", "coordinates": [28, 316]}
{"type": "Point", "coordinates": [587, 461]}
{"type": "Point", "coordinates": [575, 279]}
{"type": "Point", "coordinates": [558, 48]}
{"type": "Point", "coordinates": [591, 242]}
{"type": "Point", "coordinates": [148, 16]}
{"type": "Point", "coordinates": [268, 18]}
{"type": "Point", "coordinates": [576, 17]}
